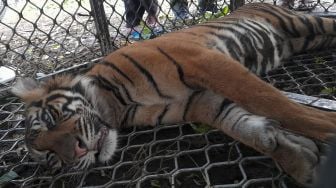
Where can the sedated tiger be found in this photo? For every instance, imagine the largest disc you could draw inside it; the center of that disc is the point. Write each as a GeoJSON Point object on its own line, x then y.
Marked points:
{"type": "Point", "coordinates": [207, 73]}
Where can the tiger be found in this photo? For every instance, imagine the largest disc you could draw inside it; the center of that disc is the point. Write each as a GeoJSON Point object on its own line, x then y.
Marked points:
{"type": "Point", "coordinates": [208, 73]}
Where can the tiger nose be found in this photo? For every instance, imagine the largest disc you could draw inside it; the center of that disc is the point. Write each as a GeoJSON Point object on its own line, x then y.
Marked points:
{"type": "Point", "coordinates": [80, 150]}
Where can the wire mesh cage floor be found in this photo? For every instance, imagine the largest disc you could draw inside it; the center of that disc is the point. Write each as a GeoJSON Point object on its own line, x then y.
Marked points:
{"type": "Point", "coordinates": [186, 155]}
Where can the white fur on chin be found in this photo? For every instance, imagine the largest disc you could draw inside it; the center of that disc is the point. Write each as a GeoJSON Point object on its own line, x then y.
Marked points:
{"type": "Point", "coordinates": [109, 146]}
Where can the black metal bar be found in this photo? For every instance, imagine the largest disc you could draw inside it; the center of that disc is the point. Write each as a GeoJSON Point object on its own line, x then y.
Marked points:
{"type": "Point", "coordinates": [101, 23]}
{"type": "Point", "coordinates": [234, 4]}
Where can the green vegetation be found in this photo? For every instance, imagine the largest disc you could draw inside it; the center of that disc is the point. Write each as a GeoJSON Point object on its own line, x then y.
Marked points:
{"type": "Point", "coordinates": [155, 183]}
{"type": "Point", "coordinates": [210, 16]}
{"type": "Point", "coordinates": [146, 32]}
{"type": "Point", "coordinates": [319, 60]}
{"type": "Point", "coordinates": [328, 91]}
{"type": "Point", "coordinates": [200, 128]}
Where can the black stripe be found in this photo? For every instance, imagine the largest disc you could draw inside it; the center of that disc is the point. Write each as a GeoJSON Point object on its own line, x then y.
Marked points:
{"type": "Point", "coordinates": [189, 102]}
{"type": "Point", "coordinates": [283, 19]}
{"type": "Point", "coordinates": [134, 111]}
{"type": "Point", "coordinates": [228, 111]}
{"type": "Point", "coordinates": [306, 22]}
{"type": "Point", "coordinates": [36, 104]}
{"type": "Point", "coordinates": [128, 95]}
{"type": "Point", "coordinates": [237, 121]}
{"type": "Point", "coordinates": [234, 49]}
{"type": "Point", "coordinates": [250, 54]}
{"type": "Point", "coordinates": [114, 67]}
{"type": "Point", "coordinates": [67, 89]}
{"type": "Point", "coordinates": [287, 11]}
{"type": "Point", "coordinates": [162, 114]}
{"type": "Point", "coordinates": [78, 88]}
{"type": "Point", "coordinates": [256, 29]}
{"type": "Point", "coordinates": [307, 40]}
{"type": "Point", "coordinates": [224, 104]}
{"type": "Point", "coordinates": [69, 98]}
{"type": "Point", "coordinates": [104, 83]}
{"type": "Point", "coordinates": [66, 118]}
{"type": "Point", "coordinates": [147, 75]}
{"type": "Point", "coordinates": [124, 121]}
{"type": "Point", "coordinates": [80, 126]}
{"type": "Point", "coordinates": [320, 24]}
{"type": "Point", "coordinates": [93, 125]}
{"type": "Point", "coordinates": [55, 113]}
{"type": "Point", "coordinates": [48, 119]}
{"type": "Point", "coordinates": [87, 126]}
{"type": "Point", "coordinates": [177, 65]}
{"type": "Point", "coordinates": [84, 124]}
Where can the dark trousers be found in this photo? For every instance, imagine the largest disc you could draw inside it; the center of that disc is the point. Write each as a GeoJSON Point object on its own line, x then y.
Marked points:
{"type": "Point", "coordinates": [135, 10]}
{"type": "Point", "coordinates": [207, 5]}
{"type": "Point", "coordinates": [204, 5]}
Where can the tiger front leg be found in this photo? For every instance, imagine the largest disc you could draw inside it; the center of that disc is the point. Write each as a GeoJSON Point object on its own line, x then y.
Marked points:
{"type": "Point", "coordinates": [297, 155]}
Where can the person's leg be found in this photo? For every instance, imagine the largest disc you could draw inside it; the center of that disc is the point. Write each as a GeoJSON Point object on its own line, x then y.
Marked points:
{"type": "Point", "coordinates": [130, 12]}
{"type": "Point", "coordinates": [151, 6]}
{"type": "Point", "coordinates": [207, 5]}
{"type": "Point", "coordinates": [134, 12]}
{"type": "Point", "coordinates": [180, 8]}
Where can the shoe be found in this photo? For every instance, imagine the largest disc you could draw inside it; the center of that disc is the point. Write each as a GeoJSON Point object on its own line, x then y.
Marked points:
{"type": "Point", "coordinates": [135, 35]}
{"type": "Point", "coordinates": [157, 30]}
{"type": "Point", "coordinates": [181, 14]}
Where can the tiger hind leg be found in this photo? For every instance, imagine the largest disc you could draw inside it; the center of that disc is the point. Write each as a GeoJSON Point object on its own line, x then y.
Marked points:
{"type": "Point", "coordinates": [233, 81]}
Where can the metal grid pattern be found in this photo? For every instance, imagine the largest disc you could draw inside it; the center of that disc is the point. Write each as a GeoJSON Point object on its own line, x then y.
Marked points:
{"type": "Point", "coordinates": [307, 74]}
{"type": "Point", "coordinates": [49, 31]}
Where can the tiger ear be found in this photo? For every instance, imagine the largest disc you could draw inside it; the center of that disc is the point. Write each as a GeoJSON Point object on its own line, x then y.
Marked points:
{"type": "Point", "coordinates": [27, 89]}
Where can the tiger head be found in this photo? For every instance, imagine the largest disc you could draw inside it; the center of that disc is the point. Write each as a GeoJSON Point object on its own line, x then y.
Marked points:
{"type": "Point", "coordinates": [63, 127]}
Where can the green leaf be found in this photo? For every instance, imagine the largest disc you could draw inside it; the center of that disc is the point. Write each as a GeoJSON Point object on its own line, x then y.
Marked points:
{"type": "Point", "coordinates": [225, 10]}
{"type": "Point", "coordinates": [328, 91]}
{"type": "Point", "coordinates": [200, 128]}
{"type": "Point", "coordinates": [210, 15]}
{"type": "Point", "coordinates": [145, 31]}
{"type": "Point", "coordinates": [319, 60]}
{"type": "Point", "coordinates": [155, 183]}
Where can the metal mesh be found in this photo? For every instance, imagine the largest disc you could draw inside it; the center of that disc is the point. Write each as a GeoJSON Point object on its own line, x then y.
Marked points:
{"type": "Point", "coordinates": [39, 38]}
{"type": "Point", "coordinates": [308, 74]}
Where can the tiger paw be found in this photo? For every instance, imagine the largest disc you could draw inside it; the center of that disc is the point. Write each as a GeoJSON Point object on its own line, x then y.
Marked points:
{"type": "Point", "coordinates": [298, 156]}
